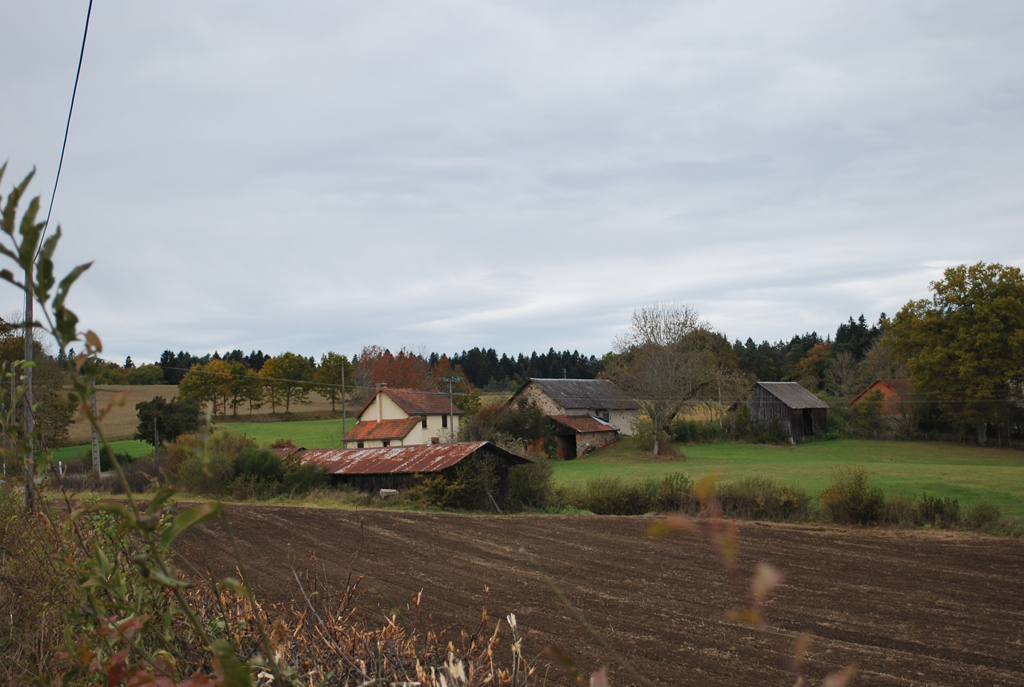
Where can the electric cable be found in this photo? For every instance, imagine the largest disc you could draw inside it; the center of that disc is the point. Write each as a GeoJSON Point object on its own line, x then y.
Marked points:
{"type": "Point", "coordinates": [67, 128]}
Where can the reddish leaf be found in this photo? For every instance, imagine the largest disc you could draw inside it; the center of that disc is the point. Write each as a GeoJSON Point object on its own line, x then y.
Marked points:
{"type": "Point", "coordinates": [765, 580]}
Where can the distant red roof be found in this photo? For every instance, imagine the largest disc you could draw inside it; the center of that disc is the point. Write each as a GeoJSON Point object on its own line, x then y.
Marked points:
{"type": "Point", "coordinates": [401, 459]}
{"type": "Point", "coordinates": [889, 387]}
{"type": "Point", "coordinates": [384, 430]}
{"type": "Point", "coordinates": [417, 401]}
{"type": "Point", "coordinates": [584, 423]}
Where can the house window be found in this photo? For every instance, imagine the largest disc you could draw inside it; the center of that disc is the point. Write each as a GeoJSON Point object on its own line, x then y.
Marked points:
{"type": "Point", "coordinates": [359, 444]}
{"type": "Point", "coordinates": [424, 422]}
{"type": "Point", "coordinates": [444, 420]}
{"type": "Point", "coordinates": [385, 443]}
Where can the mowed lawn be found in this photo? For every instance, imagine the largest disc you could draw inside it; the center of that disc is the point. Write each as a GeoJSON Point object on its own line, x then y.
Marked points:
{"type": "Point", "coordinates": [307, 433]}
{"type": "Point", "coordinates": [967, 473]}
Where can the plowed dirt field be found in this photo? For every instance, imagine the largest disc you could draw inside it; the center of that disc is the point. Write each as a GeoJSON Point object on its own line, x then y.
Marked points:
{"type": "Point", "coordinates": [906, 608]}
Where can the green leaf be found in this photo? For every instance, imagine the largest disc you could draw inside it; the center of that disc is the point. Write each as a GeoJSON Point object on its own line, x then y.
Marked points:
{"type": "Point", "coordinates": [66, 283]}
{"type": "Point", "coordinates": [193, 516]}
{"type": "Point", "coordinates": [30, 231]}
{"type": "Point", "coordinates": [116, 509]}
{"type": "Point", "coordinates": [167, 580]}
{"type": "Point", "coordinates": [226, 664]}
{"type": "Point", "coordinates": [231, 584]}
{"type": "Point", "coordinates": [159, 499]}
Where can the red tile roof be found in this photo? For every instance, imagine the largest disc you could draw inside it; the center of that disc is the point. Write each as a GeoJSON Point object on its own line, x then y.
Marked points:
{"type": "Point", "coordinates": [584, 423]}
{"type": "Point", "coordinates": [401, 459]}
{"type": "Point", "coordinates": [372, 430]}
{"type": "Point", "coordinates": [416, 401]}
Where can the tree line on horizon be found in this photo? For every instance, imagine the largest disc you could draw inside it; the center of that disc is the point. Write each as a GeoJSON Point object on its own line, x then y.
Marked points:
{"type": "Point", "coordinates": [488, 371]}
{"type": "Point", "coordinates": [961, 349]}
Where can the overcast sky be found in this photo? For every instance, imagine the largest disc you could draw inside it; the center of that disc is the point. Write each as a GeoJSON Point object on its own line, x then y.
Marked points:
{"type": "Point", "coordinates": [521, 175]}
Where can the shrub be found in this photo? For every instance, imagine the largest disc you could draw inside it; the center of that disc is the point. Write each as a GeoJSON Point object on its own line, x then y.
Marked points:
{"type": "Point", "coordinates": [695, 432]}
{"type": "Point", "coordinates": [900, 510]}
{"type": "Point", "coordinates": [762, 498]}
{"type": "Point", "coordinates": [467, 486]}
{"type": "Point", "coordinates": [982, 516]}
{"type": "Point", "coordinates": [208, 475]}
{"type": "Point", "coordinates": [529, 486]}
{"type": "Point", "coordinates": [257, 463]}
{"type": "Point", "coordinates": [674, 493]}
{"type": "Point", "coordinates": [938, 512]}
{"type": "Point", "coordinates": [230, 444]}
{"type": "Point", "coordinates": [305, 478]}
{"type": "Point", "coordinates": [180, 450]}
{"type": "Point", "coordinates": [644, 436]}
{"type": "Point", "coordinates": [612, 496]}
{"type": "Point", "coordinates": [251, 487]}
{"type": "Point", "coordinates": [567, 497]}
{"type": "Point", "coordinates": [849, 499]}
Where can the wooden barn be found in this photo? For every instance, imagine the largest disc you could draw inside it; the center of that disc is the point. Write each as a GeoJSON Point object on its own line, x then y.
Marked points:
{"type": "Point", "coordinates": [396, 467]}
{"type": "Point", "coordinates": [800, 412]}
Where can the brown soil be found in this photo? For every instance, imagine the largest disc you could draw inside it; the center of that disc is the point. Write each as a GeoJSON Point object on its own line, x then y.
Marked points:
{"type": "Point", "coordinates": [906, 608]}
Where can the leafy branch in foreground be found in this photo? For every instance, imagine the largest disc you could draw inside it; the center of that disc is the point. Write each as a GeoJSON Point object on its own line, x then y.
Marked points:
{"type": "Point", "coordinates": [105, 572]}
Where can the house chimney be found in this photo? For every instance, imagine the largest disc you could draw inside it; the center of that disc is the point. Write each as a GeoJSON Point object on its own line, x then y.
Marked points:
{"type": "Point", "coordinates": [602, 375]}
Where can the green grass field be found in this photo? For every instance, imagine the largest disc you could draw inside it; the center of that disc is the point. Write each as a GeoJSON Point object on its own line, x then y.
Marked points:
{"type": "Point", "coordinates": [966, 473]}
{"type": "Point", "coordinates": [308, 433]}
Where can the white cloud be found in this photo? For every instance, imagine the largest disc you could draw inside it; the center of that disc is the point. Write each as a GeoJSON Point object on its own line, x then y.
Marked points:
{"type": "Point", "coordinates": [514, 175]}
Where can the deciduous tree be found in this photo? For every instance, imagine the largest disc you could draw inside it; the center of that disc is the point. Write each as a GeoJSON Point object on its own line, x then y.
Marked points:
{"type": "Point", "coordinates": [664, 360]}
{"type": "Point", "coordinates": [173, 418]}
{"type": "Point", "coordinates": [404, 370]}
{"type": "Point", "coordinates": [334, 373]}
{"type": "Point", "coordinates": [288, 376]}
{"type": "Point", "coordinates": [965, 346]}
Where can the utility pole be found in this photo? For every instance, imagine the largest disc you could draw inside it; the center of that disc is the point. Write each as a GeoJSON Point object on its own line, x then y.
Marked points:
{"type": "Point", "coordinates": [344, 412]}
{"type": "Point", "coordinates": [720, 424]}
{"type": "Point", "coordinates": [95, 434]}
{"type": "Point", "coordinates": [451, 404]}
{"type": "Point", "coordinates": [30, 462]}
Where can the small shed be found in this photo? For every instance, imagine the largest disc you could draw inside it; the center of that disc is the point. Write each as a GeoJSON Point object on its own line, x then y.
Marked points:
{"type": "Point", "coordinates": [578, 435]}
{"type": "Point", "coordinates": [396, 467]}
{"type": "Point", "coordinates": [799, 411]}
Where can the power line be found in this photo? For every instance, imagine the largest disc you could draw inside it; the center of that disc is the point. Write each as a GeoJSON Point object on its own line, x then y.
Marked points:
{"type": "Point", "coordinates": [67, 127]}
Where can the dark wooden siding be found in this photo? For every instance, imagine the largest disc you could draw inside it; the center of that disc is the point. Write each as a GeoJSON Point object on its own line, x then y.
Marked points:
{"type": "Point", "coordinates": [797, 422]}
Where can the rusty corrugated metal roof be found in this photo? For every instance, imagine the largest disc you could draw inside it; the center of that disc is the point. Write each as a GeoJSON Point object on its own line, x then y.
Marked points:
{"type": "Point", "coordinates": [286, 451]}
{"type": "Point", "coordinates": [400, 459]}
{"type": "Point", "coordinates": [584, 423]}
{"type": "Point", "coordinates": [372, 430]}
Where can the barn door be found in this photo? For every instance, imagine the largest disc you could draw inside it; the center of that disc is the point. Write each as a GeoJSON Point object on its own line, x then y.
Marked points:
{"type": "Point", "coordinates": [566, 446]}
{"type": "Point", "coordinates": [808, 423]}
